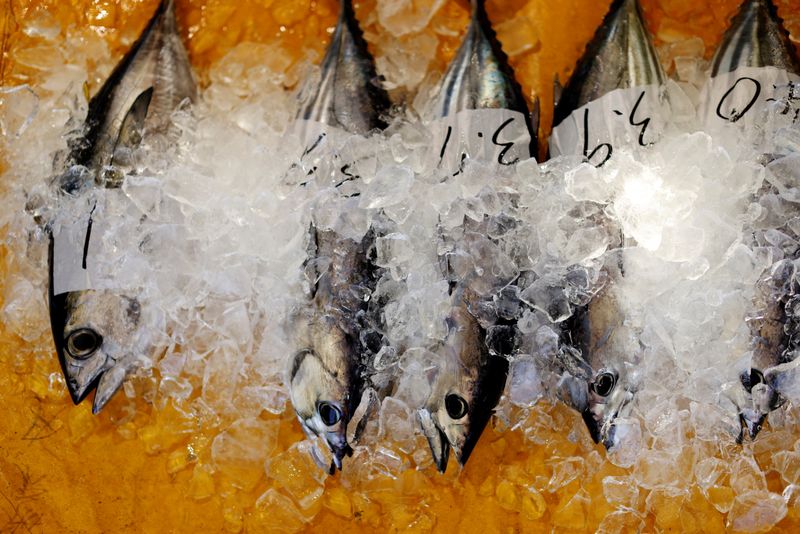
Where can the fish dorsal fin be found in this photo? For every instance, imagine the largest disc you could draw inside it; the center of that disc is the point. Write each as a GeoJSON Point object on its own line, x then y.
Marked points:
{"type": "Point", "coordinates": [132, 128]}
{"type": "Point", "coordinates": [619, 56]}
{"type": "Point", "coordinates": [755, 38]}
{"type": "Point", "coordinates": [349, 95]}
{"type": "Point", "coordinates": [479, 76]}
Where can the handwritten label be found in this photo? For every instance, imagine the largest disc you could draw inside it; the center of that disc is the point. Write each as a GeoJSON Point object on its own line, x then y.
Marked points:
{"type": "Point", "coordinates": [498, 136]}
{"type": "Point", "coordinates": [742, 97]}
{"type": "Point", "coordinates": [330, 154]}
{"type": "Point", "coordinates": [631, 117]}
{"type": "Point", "coordinates": [77, 244]}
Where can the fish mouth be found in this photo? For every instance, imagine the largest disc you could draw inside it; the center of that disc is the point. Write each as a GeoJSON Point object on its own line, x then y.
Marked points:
{"type": "Point", "coordinates": [338, 453]}
{"type": "Point", "coordinates": [604, 430]}
{"type": "Point", "coordinates": [751, 424]}
{"type": "Point", "coordinates": [437, 441]}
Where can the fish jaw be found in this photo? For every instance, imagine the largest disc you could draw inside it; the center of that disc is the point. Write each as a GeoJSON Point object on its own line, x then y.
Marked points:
{"type": "Point", "coordinates": [601, 417]}
{"type": "Point", "coordinates": [108, 384]}
{"type": "Point", "coordinates": [437, 439]}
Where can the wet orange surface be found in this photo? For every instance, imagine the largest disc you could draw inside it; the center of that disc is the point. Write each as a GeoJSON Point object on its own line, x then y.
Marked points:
{"type": "Point", "coordinates": [145, 466]}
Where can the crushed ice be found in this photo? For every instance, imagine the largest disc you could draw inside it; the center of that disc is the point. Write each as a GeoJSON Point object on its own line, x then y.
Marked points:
{"type": "Point", "coordinates": [213, 232]}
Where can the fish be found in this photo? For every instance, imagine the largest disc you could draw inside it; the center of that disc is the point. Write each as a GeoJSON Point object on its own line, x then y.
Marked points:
{"type": "Point", "coordinates": [100, 334]}
{"type": "Point", "coordinates": [621, 55]}
{"type": "Point", "coordinates": [338, 328]}
{"type": "Point", "coordinates": [603, 373]}
{"type": "Point", "coordinates": [775, 340]}
{"type": "Point", "coordinates": [472, 371]}
{"type": "Point", "coordinates": [468, 386]}
{"type": "Point", "coordinates": [349, 95]}
{"type": "Point", "coordinates": [337, 335]}
{"type": "Point", "coordinates": [755, 38]}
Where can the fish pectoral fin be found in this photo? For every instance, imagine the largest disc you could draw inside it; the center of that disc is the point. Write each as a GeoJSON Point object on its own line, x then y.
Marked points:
{"type": "Point", "coordinates": [784, 379]}
{"type": "Point", "coordinates": [362, 415]}
{"type": "Point", "coordinates": [132, 128]}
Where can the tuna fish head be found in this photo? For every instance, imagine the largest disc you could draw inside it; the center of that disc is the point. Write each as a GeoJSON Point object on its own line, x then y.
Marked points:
{"type": "Point", "coordinates": [322, 388]}
{"type": "Point", "coordinates": [609, 397]}
{"type": "Point", "coordinates": [99, 336]}
{"type": "Point", "coordinates": [466, 390]}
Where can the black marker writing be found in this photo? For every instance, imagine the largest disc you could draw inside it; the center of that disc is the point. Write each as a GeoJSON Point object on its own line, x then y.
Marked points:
{"type": "Point", "coordinates": [88, 237]}
{"type": "Point", "coordinates": [586, 153]}
{"type": "Point", "coordinates": [734, 116]}
{"type": "Point", "coordinates": [507, 146]}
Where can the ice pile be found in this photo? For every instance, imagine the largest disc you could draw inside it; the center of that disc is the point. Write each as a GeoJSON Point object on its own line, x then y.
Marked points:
{"type": "Point", "coordinates": [214, 232]}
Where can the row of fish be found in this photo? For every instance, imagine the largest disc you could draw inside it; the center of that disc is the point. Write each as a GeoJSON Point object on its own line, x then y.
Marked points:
{"type": "Point", "coordinates": [333, 384]}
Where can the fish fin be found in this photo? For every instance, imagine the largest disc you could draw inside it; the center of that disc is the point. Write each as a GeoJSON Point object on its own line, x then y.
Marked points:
{"type": "Point", "coordinates": [558, 90]}
{"type": "Point", "coordinates": [784, 379]}
{"type": "Point", "coordinates": [573, 392]}
{"type": "Point", "coordinates": [363, 414]}
{"type": "Point", "coordinates": [130, 133]}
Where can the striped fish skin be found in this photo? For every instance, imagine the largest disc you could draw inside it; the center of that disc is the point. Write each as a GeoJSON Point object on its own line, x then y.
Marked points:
{"type": "Point", "coordinates": [100, 334]}
{"type": "Point", "coordinates": [349, 95]}
{"type": "Point", "coordinates": [621, 55]}
{"type": "Point", "coordinates": [756, 37]}
{"type": "Point", "coordinates": [479, 77]}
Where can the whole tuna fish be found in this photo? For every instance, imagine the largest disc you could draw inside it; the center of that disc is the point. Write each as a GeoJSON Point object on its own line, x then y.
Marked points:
{"type": "Point", "coordinates": [471, 374]}
{"type": "Point", "coordinates": [756, 38]}
{"type": "Point", "coordinates": [98, 333]}
{"type": "Point", "coordinates": [336, 333]}
{"type": "Point", "coordinates": [620, 55]}
{"type": "Point", "coordinates": [338, 336]}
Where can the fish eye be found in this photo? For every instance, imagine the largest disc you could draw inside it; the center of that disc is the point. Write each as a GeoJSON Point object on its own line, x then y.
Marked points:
{"type": "Point", "coordinates": [604, 384]}
{"type": "Point", "coordinates": [83, 342]}
{"type": "Point", "coordinates": [329, 413]}
{"type": "Point", "coordinates": [456, 406]}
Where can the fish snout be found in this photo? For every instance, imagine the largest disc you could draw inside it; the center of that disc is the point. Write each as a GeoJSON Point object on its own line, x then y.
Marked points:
{"type": "Point", "coordinates": [338, 452]}
{"type": "Point", "coordinates": [437, 439]}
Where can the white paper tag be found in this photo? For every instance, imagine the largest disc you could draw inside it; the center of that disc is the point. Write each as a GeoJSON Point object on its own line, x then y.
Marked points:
{"type": "Point", "coordinates": [633, 117]}
{"type": "Point", "coordinates": [489, 135]}
{"type": "Point", "coordinates": [330, 154]}
{"type": "Point", "coordinates": [77, 243]}
{"type": "Point", "coordinates": [741, 97]}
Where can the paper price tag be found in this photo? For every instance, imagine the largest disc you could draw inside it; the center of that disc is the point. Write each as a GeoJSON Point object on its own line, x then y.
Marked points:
{"type": "Point", "coordinates": [489, 135]}
{"type": "Point", "coordinates": [77, 243]}
{"type": "Point", "coordinates": [328, 153]}
{"type": "Point", "coordinates": [741, 97]}
{"type": "Point", "coordinates": [633, 117]}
